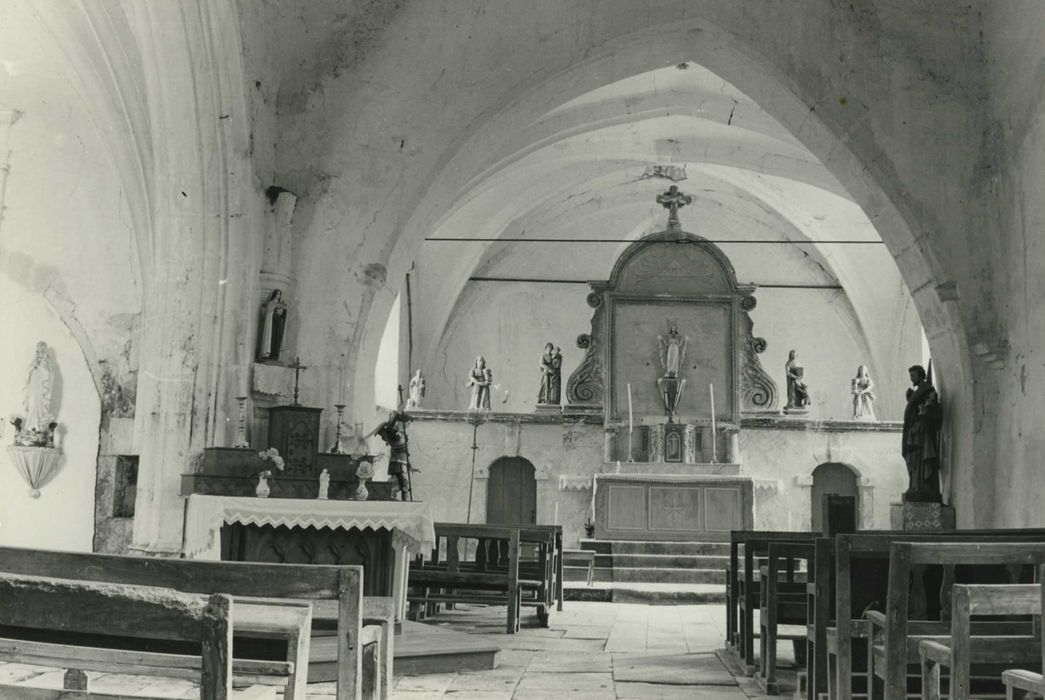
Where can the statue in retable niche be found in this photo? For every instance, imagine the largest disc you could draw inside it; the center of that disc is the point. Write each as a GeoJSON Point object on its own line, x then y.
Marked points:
{"type": "Point", "coordinates": [273, 325]}
{"type": "Point", "coordinates": [551, 377]}
{"type": "Point", "coordinates": [672, 351]}
{"type": "Point", "coordinates": [480, 379]}
{"type": "Point", "coordinates": [863, 396]}
{"type": "Point", "coordinates": [417, 391]}
{"type": "Point", "coordinates": [921, 435]}
{"type": "Point", "coordinates": [36, 399]}
{"type": "Point", "coordinates": [797, 392]}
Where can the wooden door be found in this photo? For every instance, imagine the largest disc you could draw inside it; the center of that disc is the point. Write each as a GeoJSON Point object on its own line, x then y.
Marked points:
{"type": "Point", "coordinates": [831, 478]}
{"type": "Point", "coordinates": [511, 496]}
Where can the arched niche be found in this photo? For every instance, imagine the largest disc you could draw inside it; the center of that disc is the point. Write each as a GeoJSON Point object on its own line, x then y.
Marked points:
{"type": "Point", "coordinates": [671, 278]}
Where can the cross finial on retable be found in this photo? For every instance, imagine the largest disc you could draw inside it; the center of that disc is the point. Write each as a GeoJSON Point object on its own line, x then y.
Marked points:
{"type": "Point", "coordinates": [673, 200]}
{"type": "Point", "coordinates": [298, 369]}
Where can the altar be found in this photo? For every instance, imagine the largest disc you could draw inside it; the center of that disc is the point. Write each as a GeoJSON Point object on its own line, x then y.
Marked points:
{"type": "Point", "coordinates": [381, 536]}
{"type": "Point", "coordinates": [671, 507]}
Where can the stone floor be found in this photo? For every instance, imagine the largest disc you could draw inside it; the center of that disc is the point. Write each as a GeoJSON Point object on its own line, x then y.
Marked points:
{"type": "Point", "coordinates": [591, 651]}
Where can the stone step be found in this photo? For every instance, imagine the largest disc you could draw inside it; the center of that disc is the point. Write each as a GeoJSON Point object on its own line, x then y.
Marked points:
{"type": "Point", "coordinates": [646, 575]}
{"type": "Point", "coordinates": [653, 547]}
{"type": "Point", "coordinates": [662, 561]}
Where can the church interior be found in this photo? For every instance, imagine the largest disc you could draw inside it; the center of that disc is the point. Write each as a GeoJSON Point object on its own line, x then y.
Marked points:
{"type": "Point", "coordinates": [499, 349]}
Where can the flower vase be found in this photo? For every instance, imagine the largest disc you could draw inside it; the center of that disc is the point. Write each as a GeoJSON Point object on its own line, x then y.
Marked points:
{"type": "Point", "coordinates": [262, 489]}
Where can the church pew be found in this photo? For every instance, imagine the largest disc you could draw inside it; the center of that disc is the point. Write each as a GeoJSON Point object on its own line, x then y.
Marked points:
{"type": "Point", "coordinates": [538, 580]}
{"type": "Point", "coordinates": [743, 589]}
{"type": "Point", "coordinates": [1021, 684]}
{"type": "Point", "coordinates": [485, 578]}
{"type": "Point", "coordinates": [359, 641]}
{"type": "Point", "coordinates": [71, 609]}
{"type": "Point", "coordinates": [962, 649]}
{"type": "Point", "coordinates": [859, 569]}
{"type": "Point", "coordinates": [893, 635]}
{"type": "Point", "coordinates": [783, 601]}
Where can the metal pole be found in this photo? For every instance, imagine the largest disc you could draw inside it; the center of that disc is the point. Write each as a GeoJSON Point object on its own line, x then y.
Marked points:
{"type": "Point", "coordinates": [471, 482]}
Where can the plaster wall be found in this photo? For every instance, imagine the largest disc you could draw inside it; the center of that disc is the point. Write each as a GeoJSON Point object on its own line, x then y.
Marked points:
{"type": "Point", "coordinates": [63, 516]}
{"type": "Point", "coordinates": [69, 268]}
{"type": "Point", "coordinates": [509, 323]}
{"type": "Point", "coordinates": [565, 454]}
{"type": "Point", "coordinates": [1012, 365]}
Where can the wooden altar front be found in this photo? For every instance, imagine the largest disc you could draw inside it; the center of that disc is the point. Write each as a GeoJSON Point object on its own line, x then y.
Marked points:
{"type": "Point", "coordinates": [378, 535]}
{"type": "Point", "coordinates": [670, 507]}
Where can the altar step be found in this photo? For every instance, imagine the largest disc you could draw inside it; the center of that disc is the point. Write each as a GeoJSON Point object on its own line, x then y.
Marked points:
{"type": "Point", "coordinates": [619, 561]}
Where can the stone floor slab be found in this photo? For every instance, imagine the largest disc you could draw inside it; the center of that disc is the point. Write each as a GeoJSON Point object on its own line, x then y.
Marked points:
{"type": "Point", "coordinates": [685, 669]}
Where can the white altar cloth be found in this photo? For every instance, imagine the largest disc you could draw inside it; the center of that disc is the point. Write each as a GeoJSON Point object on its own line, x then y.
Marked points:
{"type": "Point", "coordinates": [410, 522]}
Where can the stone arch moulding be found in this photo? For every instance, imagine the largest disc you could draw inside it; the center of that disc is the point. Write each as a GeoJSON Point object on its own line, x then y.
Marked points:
{"type": "Point", "coordinates": [731, 48]}
{"type": "Point", "coordinates": [864, 481]}
{"type": "Point", "coordinates": [679, 273]}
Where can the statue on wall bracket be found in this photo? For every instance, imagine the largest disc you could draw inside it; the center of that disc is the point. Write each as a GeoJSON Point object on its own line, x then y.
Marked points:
{"type": "Point", "coordinates": [672, 352]}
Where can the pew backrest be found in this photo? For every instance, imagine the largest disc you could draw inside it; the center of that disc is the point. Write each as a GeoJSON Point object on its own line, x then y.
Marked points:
{"type": "Point", "coordinates": [314, 582]}
{"type": "Point", "coordinates": [67, 606]}
{"type": "Point", "coordinates": [903, 556]}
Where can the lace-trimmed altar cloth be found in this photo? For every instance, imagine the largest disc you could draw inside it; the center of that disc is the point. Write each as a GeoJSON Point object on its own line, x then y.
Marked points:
{"type": "Point", "coordinates": [410, 522]}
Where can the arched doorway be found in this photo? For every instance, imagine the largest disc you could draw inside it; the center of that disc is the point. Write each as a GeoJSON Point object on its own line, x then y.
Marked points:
{"type": "Point", "coordinates": [511, 492]}
{"type": "Point", "coordinates": [835, 479]}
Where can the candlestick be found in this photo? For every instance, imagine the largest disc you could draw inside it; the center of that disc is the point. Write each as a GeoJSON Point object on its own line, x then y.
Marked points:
{"type": "Point", "coordinates": [711, 390]}
{"type": "Point", "coordinates": [241, 430]}
{"type": "Point", "coordinates": [336, 449]}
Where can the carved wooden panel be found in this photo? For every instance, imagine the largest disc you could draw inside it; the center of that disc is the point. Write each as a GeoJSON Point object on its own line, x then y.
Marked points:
{"type": "Point", "coordinates": [627, 508]}
{"type": "Point", "coordinates": [722, 509]}
{"type": "Point", "coordinates": [674, 508]}
{"type": "Point", "coordinates": [372, 549]}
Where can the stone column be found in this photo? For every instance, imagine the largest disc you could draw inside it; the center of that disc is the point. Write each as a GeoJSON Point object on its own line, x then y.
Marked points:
{"type": "Point", "coordinates": [200, 275]}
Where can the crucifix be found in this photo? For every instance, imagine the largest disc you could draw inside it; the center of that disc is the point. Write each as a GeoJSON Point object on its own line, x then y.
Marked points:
{"type": "Point", "coordinates": [673, 200]}
{"type": "Point", "coordinates": [298, 369]}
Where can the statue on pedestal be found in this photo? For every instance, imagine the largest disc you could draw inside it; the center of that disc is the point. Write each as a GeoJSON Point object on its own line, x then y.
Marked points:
{"type": "Point", "coordinates": [416, 391]}
{"type": "Point", "coordinates": [551, 377]}
{"type": "Point", "coordinates": [863, 396]}
{"type": "Point", "coordinates": [672, 352]}
{"type": "Point", "coordinates": [36, 428]}
{"type": "Point", "coordinates": [921, 435]}
{"type": "Point", "coordinates": [797, 392]}
{"type": "Point", "coordinates": [480, 379]}
{"type": "Point", "coordinates": [273, 324]}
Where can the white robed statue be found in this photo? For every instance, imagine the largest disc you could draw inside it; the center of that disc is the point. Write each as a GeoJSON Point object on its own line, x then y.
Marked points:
{"type": "Point", "coordinates": [417, 391]}
{"type": "Point", "coordinates": [672, 351]}
{"type": "Point", "coordinates": [37, 395]}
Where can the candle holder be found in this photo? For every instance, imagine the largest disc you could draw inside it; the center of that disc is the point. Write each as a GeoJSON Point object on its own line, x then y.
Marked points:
{"type": "Point", "coordinates": [336, 449]}
{"type": "Point", "coordinates": [241, 431]}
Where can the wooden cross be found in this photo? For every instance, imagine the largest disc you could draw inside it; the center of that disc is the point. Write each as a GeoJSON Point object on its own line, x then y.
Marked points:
{"type": "Point", "coordinates": [673, 200]}
{"type": "Point", "coordinates": [298, 369]}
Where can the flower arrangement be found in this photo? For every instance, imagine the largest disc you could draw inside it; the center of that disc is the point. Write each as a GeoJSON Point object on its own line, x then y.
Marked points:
{"type": "Point", "coordinates": [271, 455]}
{"type": "Point", "coordinates": [365, 471]}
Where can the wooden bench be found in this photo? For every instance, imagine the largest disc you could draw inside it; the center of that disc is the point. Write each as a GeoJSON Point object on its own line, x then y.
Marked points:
{"type": "Point", "coordinates": [496, 573]}
{"type": "Point", "coordinates": [963, 650]}
{"type": "Point", "coordinates": [76, 608]}
{"type": "Point", "coordinates": [783, 601]}
{"type": "Point", "coordinates": [1021, 684]}
{"type": "Point", "coordinates": [894, 635]}
{"type": "Point", "coordinates": [586, 557]}
{"type": "Point", "coordinates": [335, 593]}
{"type": "Point", "coordinates": [860, 581]}
{"type": "Point", "coordinates": [743, 587]}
